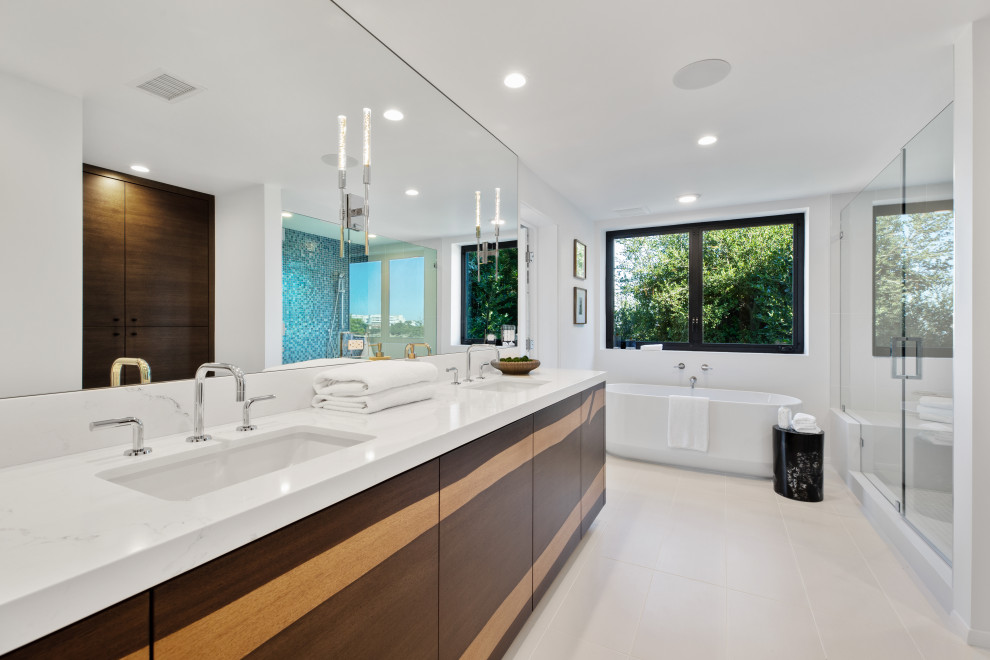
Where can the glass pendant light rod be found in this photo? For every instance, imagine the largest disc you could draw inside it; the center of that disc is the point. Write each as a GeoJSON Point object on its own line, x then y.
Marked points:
{"type": "Point", "coordinates": [367, 177]}
{"type": "Point", "coordinates": [342, 174]}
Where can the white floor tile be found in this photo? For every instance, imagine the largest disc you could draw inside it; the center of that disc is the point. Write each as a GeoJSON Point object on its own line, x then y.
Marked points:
{"type": "Point", "coordinates": [682, 619]}
{"type": "Point", "coordinates": [760, 628]}
{"type": "Point", "coordinates": [605, 603]}
{"type": "Point", "coordinates": [688, 564]}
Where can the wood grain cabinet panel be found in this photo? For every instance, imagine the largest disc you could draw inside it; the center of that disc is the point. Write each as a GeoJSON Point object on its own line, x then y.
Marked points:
{"type": "Point", "coordinates": [592, 454]}
{"type": "Point", "coordinates": [103, 251]}
{"type": "Point", "coordinates": [168, 258]}
{"type": "Point", "coordinates": [102, 345]}
{"type": "Point", "coordinates": [120, 631]}
{"type": "Point", "coordinates": [486, 542]}
{"type": "Point", "coordinates": [173, 353]}
{"type": "Point", "coordinates": [356, 580]}
{"type": "Point", "coordinates": [556, 489]}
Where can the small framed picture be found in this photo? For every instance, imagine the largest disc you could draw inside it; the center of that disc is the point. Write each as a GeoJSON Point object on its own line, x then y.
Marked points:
{"type": "Point", "coordinates": [580, 260]}
{"type": "Point", "coordinates": [580, 306]}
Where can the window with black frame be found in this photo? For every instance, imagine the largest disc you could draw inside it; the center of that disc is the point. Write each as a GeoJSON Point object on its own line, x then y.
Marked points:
{"type": "Point", "coordinates": [490, 303]}
{"type": "Point", "coordinates": [734, 285]}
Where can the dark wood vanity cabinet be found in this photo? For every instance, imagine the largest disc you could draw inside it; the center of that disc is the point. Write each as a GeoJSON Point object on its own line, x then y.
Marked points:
{"type": "Point", "coordinates": [486, 542]}
{"type": "Point", "coordinates": [556, 490]}
{"type": "Point", "coordinates": [356, 580]}
{"type": "Point", "coordinates": [120, 631]}
{"type": "Point", "coordinates": [442, 561]}
{"type": "Point", "coordinates": [592, 454]}
{"type": "Point", "coordinates": [147, 277]}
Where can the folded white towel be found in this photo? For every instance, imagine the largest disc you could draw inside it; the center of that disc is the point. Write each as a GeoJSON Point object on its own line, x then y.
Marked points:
{"type": "Point", "coordinates": [651, 347]}
{"type": "Point", "coordinates": [372, 377]}
{"type": "Point", "coordinates": [369, 403]}
{"type": "Point", "coordinates": [935, 426]}
{"type": "Point", "coordinates": [804, 418]}
{"type": "Point", "coordinates": [935, 433]}
{"type": "Point", "coordinates": [814, 428]}
{"type": "Point", "coordinates": [942, 402]}
{"type": "Point", "coordinates": [687, 422]}
{"type": "Point", "coordinates": [929, 414]}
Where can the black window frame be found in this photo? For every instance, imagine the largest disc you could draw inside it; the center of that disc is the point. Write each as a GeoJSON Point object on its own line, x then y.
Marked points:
{"type": "Point", "coordinates": [465, 251]}
{"type": "Point", "coordinates": [696, 287]}
{"type": "Point", "coordinates": [903, 208]}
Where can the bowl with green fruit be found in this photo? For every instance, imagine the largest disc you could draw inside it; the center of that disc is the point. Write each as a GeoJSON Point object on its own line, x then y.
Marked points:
{"type": "Point", "coordinates": [516, 366]}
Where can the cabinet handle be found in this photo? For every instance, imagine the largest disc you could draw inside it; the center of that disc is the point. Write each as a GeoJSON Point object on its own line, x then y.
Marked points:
{"type": "Point", "coordinates": [133, 334]}
{"type": "Point", "coordinates": [133, 320]}
{"type": "Point", "coordinates": [116, 334]}
{"type": "Point", "coordinates": [116, 320]}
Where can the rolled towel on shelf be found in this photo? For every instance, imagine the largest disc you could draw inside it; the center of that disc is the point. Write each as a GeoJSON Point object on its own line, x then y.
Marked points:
{"type": "Point", "coordinates": [930, 414]}
{"type": "Point", "coordinates": [370, 403]}
{"type": "Point", "coordinates": [373, 377]}
{"type": "Point", "coordinates": [651, 347]}
{"type": "Point", "coordinates": [805, 423]}
{"type": "Point", "coordinates": [941, 402]}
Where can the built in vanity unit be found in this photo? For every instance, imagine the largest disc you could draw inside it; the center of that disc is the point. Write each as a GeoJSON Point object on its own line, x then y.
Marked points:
{"type": "Point", "coordinates": [443, 555]}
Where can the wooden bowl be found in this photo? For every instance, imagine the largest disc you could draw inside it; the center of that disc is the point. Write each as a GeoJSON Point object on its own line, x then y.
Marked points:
{"type": "Point", "coordinates": [515, 368]}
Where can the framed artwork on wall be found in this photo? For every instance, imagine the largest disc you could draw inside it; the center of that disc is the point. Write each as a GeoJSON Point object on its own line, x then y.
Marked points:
{"type": "Point", "coordinates": [580, 306]}
{"type": "Point", "coordinates": [580, 259]}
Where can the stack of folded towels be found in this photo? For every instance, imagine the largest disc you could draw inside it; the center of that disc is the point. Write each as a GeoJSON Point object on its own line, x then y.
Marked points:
{"type": "Point", "coordinates": [372, 386]}
{"type": "Point", "coordinates": [935, 409]}
{"type": "Point", "coordinates": [805, 423]}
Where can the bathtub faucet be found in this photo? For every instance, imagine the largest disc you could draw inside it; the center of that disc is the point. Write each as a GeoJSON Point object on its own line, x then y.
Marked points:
{"type": "Point", "coordinates": [693, 379]}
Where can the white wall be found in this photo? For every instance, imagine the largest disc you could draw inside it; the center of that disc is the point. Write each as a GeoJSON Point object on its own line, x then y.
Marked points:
{"type": "Point", "coordinates": [41, 254]}
{"type": "Point", "coordinates": [249, 297]}
{"type": "Point", "coordinates": [803, 376]}
{"type": "Point", "coordinates": [555, 215]}
{"type": "Point", "coordinates": [971, 451]}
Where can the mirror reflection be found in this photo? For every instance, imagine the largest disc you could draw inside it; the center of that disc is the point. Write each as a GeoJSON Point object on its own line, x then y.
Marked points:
{"type": "Point", "coordinates": [171, 193]}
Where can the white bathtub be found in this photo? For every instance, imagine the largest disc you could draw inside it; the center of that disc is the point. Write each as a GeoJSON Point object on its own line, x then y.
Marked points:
{"type": "Point", "coordinates": [739, 425]}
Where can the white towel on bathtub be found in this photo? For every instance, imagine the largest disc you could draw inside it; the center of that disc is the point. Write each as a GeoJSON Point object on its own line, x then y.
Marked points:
{"type": "Point", "coordinates": [687, 422]}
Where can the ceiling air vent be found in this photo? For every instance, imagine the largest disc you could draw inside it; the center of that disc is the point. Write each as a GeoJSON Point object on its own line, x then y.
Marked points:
{"type": "Point", "coordinates": [166, 86]}
{"type": "Point", "coordinates": [631, 212]}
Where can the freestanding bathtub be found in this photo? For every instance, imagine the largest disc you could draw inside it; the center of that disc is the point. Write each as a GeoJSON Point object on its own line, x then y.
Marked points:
{"type": "Point", "coordinates": [739, 425]}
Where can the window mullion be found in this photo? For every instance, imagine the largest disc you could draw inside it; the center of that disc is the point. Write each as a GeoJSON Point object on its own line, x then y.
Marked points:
{"type": "Point", "coordinates": [695, 289]}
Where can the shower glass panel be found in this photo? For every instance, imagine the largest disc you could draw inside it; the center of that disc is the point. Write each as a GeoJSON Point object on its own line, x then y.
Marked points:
{"type": "Point", "coordinates": [896, 330]}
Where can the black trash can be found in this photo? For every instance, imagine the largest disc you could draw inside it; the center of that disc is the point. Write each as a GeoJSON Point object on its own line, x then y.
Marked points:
{"type": "Point", "coordinates": [798, 460]}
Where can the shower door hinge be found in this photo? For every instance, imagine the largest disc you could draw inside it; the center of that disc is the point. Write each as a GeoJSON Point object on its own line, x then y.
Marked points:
{"type": "Point", "coordinates": [862, 443]}
{"type": "Point", "coordinates": [530, 344]}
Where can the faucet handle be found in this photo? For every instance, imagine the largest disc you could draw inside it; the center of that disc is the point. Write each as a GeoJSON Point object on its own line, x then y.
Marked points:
{"type": "Point", "coordinates": [137, 433]}
{"type": "Point", "coordinates": [679, 365]}
{"type": "Point", "coordinates": [705, 367]}
{"type": "Point", "coordinates": [455, 381]}
{"type": "Point", "coordinates": [246, 424]}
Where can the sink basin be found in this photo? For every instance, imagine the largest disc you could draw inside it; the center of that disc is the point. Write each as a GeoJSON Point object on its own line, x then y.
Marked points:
{"type": "Point", "coordinates": [211, 468]}
{"type": "Point", "coordinates": [505, 385]}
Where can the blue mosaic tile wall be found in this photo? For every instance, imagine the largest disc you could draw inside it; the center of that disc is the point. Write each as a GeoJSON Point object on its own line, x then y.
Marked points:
{"type": "Point", "coordinates": [310, 268]}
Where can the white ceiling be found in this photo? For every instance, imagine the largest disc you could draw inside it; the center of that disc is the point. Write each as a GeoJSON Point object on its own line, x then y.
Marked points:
{"type": "Point", "coordinates": [820, 98]}
{"type": "Point", "coordinates": [276, 75]}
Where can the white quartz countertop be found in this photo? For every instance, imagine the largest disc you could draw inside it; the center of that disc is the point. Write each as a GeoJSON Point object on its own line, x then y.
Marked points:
{"type": "Point", "coordinates": [72, 543]}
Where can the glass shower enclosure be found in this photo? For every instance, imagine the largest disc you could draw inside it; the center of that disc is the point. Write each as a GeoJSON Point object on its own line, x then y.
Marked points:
{"type": "Point", "coordinates": [896, 311]}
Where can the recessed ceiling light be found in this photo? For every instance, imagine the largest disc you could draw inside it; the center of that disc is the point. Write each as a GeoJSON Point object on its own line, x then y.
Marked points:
{"type": "Point", "coordinates": [412, 192]}
{"type": "Point", "coordinates": [707, 140]}
{"type": "Point", "coordinates": [515, 80]}
{"type": "Point", "coordinates": [140, 168]}
{"type": "Point", "coordinates": [286, 214]}
{"type": "Point", "coordinates": [688, 199]}
{"type": "Point", "coordinates": [703, 73]}
{"type": "Point", "coordinates": [393, 114]}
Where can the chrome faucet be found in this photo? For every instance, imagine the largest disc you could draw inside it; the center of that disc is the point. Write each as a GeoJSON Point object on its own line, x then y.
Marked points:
{"type": "Point", "coordinates": [480, 347]}
{"type": "Point", "coordinates": [137, 433]}
{"type": "Point", "coordinates": [693, 379]}
{"type": "Point", "coordinates": [246, 424]}
{"type": "Point", "coordinates": [198, 434]}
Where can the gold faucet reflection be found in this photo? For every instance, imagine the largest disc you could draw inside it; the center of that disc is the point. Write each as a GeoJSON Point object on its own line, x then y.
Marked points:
{"type": "Point", "coordinates": [143, 367]}
{"type": "Point", "coordinates": [411, 350]}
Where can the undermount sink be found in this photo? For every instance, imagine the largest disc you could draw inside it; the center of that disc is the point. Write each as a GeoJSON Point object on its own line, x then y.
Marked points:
{"type": "Point", "coordinates": [230, 462]}
{"type": "Point", "coordinates": [503, 384]}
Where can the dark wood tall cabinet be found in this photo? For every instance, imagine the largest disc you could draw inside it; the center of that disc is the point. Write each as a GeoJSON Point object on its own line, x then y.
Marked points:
{"type": "Point", "coordinates": [147, 276]}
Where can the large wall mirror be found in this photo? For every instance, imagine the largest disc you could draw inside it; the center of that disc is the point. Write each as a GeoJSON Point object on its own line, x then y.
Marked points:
{"type": "Point", "coordinates": [253, 145]}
